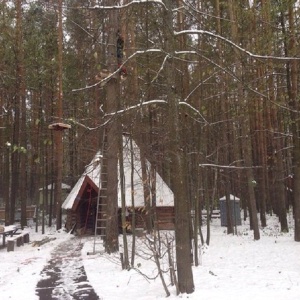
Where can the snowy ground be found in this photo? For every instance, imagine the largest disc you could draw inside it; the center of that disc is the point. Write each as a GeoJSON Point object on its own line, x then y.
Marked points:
{"type": "Point", "coordinates": [232, 267]}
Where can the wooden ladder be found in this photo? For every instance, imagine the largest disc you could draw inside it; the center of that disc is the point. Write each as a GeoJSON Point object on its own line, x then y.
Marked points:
{"type": "Point", "coordinates": [101, 214]}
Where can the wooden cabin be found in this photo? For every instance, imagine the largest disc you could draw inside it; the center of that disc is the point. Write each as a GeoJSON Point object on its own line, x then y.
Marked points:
{"type": "Point", "coordinates": [49, 189]}
{"type": "Point", "coordinates": [81, 204]}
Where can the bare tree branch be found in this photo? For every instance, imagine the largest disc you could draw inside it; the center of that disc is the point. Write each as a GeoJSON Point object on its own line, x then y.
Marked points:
{"type": "Point", "coordinates": [228, 167]}
{"type": "Point", "coordinates": [205, 32]}
{"type": "Point", "coordinates": [133, 2]}
{"type": "Point", "coordinates": [119, 69]}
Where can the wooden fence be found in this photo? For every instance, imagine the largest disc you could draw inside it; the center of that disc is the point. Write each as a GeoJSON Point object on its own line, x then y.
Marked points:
{"type": "Point", "coordinates": [30, 213]}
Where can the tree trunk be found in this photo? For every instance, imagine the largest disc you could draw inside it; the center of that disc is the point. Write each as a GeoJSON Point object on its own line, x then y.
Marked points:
{"type": "Point", "coordinates": [23, 141]}
{"type": "Point", "coordinates": [133, 249]}
{"type": "Point", "coordinates": [292, 82]}
{"type": "Point", "coordinates": [58, 133]}
{"type": "Point", "coordinates": [6, 183]}
{"type": "Point", "coordinates": [146, 192]}
{"type": "Point", "coordinates": [123, 202]}
{"type": "Point", "coordinates": [112, 104]}
{"type": "Point", "coordinates": [250, 178]}
{"type": "Point", "coordinates": [245, 130]}
{"type": "Point", "coordinates": [15, 153]}
{"type": "Point", "coordinates": [182, 215]}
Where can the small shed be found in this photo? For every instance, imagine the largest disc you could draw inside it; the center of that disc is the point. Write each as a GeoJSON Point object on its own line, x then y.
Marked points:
{"type": "Point", "coordinates": [81, 203]}
{"type": "Point", "coordinates": [65, 188]}
{"type": "Point", "coordinates": [234, 205]}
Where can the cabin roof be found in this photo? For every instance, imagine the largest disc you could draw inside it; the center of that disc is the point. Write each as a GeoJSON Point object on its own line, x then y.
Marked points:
{"type": "Point", "coordinates": [64, 186]}
{"type": "Point", "coordinates": [232, 197]}
{"type": "Point", "coordinates": [164, 195]}
{"type": "Point", "coordinates": [92, 174]}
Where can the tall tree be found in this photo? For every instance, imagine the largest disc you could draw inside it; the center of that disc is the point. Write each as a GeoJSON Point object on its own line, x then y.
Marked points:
{"type": "Point", "coordinates": [59, 112]}
{"type": "Point", "coordinates": [182, 219]}
{"type": "Point", "coordinates": [245, 130]}
{"type": "Point", "coordinates": [17, 99]}
{"type": "Point", "coordinates": [292, 84]}
{"type": "Point", "coordinates": [23, 140]}
{"type": "Point", "coordinates": [113, 132]}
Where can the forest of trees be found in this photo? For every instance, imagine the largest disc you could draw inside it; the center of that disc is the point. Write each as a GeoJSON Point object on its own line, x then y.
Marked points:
{"type": "Point", "coordinates": [210, 96]}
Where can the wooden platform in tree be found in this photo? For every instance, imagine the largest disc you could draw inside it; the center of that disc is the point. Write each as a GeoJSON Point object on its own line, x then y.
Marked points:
{"type": "Point", "coordinates": [59, 126]}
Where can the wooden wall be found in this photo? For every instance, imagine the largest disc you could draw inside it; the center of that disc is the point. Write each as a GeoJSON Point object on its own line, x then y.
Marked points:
{"type": "Point", "coordinates": [165, 217]}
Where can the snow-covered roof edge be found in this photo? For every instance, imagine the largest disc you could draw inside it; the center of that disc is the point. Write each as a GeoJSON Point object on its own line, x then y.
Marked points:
{"type": "Point", "coordinates": [164, 195]}
{"type": "Point", "coordinates": [232, 197]}
{"type": "Point", "coordinates": [64, 186]}
{"type": "Point", "coordinates": [92, 170]}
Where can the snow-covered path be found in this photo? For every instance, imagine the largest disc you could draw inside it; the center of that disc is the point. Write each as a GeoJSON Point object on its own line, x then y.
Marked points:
{"type": "Point", "coordinates": [64, 276]}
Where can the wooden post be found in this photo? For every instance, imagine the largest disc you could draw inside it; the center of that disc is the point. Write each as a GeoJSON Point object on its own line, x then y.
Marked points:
{"type": "Point", "coordinates": [122, 261]}
{"type": "Point", "coordinates": [26, 238]}
{"type": "Point", "coordinates": [20, 241]}
{"type": "Point", "coordinates": [10, 245]}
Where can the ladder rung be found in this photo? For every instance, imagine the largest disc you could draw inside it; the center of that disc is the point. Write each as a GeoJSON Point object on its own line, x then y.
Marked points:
{"type": "Point", "coordinates": [101, 218]}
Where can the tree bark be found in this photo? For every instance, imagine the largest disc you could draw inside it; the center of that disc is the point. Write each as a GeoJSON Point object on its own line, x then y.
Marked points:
{"type": "Point", "coordinates": [23, 136]}
{"type": "Point", "coordinates": [58, 133]}
{"type": "Point", "coordinates": [112, 104]}
{"type": "Point", "coordinates": [15, 153]}
{"type": "Point", "coordinates": [292, 75]}
{"type": "Point", "coordinates": [245, 130]}
{"type": "Point", "coordinates": [182, 215]}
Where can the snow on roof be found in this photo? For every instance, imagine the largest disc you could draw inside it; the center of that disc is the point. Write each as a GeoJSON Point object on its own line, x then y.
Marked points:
{"type": "Point", "coordinates": [64, 186]}
{"type": "Point", "coordinates": [92, 171]}
{"type": "Point", "coordinates": [164, 195]}
{"type": "Point", "coordinates": [232, 197]}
